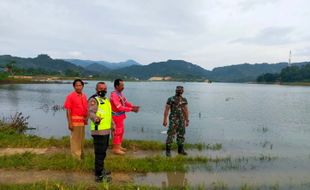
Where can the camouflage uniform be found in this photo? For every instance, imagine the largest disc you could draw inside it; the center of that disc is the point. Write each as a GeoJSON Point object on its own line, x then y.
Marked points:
{"type": "Point", "coordinates": [176, 120]}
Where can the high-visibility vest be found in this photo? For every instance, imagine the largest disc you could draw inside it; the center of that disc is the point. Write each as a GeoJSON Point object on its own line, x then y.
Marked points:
{"type": "Point", "coordinates": [104, 112]}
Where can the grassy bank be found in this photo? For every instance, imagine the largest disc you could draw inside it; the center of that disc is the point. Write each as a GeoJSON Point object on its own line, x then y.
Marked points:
{"type": "Point", "coordinates": [65, 162]}
{"type": "Point", "coordinates": [129, 164]}
{"type": "Point", "coordinates": [11, 139]}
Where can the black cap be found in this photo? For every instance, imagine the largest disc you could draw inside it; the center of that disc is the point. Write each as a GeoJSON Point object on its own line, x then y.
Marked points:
{"type": "Point", "coordinates": [179, 88]}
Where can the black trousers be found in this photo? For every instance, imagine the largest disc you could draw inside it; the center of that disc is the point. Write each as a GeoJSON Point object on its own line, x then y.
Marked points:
{"type": "Point", "coordinates": [101, 144]}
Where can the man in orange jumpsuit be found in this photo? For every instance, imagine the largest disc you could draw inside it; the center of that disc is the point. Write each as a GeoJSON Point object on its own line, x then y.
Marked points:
{"type": "Point", "coordinates": [120, 106]}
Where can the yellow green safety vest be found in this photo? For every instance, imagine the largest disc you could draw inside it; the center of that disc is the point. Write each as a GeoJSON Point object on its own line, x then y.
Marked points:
{"type": "Point", "coordinates": [105, 113]}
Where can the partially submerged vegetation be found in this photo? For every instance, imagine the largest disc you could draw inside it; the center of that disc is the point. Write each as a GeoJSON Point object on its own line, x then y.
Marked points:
{"type": "Point", "coordinates": [65, 162]}
{"type": "Point", "coordinates": [13, 128]}
{"type": "Point", "coordinates": [217, 185]}
{"type": "Point", "coordinates": [12, 135]}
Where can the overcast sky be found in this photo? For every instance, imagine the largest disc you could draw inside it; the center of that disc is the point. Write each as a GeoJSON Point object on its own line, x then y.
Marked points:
{"type": "Point", "coordinates": [209, 33]}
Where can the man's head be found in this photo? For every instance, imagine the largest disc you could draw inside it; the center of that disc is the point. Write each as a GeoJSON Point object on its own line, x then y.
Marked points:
{"type": "Point", "coordinates": [119, 85]}
{"type": "Point", "coordinates": [78, 85]}
{"type": "Point", "coordinates": [101, 89]}
{"type": "Point", "coordinates": [179, 90]}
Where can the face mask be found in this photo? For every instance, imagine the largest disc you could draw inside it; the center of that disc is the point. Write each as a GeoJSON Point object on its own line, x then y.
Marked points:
{"type": "Point", "coordinates": [102, 93]}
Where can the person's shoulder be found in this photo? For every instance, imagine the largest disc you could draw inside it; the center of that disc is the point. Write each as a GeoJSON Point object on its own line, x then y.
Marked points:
{"type": "Point", "coordinates": [71, 94]}
{"type": "Point", "coordinates": [92, 97]}
{"type": "Point", "coordinates": [93, 100]}
{"type": "Point", "coordinates": [107, 100]}
{"type": "Point", "coordinates": [84, 95]}
{"type": "Point", "coordinates": [184, 100]}
{"type": "Point", "coordinates": [170, 99]}
{"type": "Point", "coordinates": [113, 93]}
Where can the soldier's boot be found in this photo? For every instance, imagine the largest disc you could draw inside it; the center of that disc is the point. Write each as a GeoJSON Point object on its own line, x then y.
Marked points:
{"type": "Point", "coordinates": [168, 151]}
{"type": "Point", "coordinates": [117, 149]}
{"type": "Point", "coordinates": [181, 150]}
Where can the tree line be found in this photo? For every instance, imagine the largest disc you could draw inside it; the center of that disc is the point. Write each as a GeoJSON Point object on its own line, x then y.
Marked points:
{"type": "Point", "coordinates": [288, 74]}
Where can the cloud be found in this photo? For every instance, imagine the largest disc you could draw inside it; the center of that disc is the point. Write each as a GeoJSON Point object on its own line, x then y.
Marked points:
{"type": "Point", "coordinates": [152, 30]}
{"type": "Point", "coordinates": [302, 52]}
{"type": "Point", "coordinates": [269, 37]}
{"type": "Point", "coordinates": [247, 5]}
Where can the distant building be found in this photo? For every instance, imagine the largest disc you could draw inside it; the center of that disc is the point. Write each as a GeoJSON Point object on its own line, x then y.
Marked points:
{"type": "Point", "coordinates": [159, 78]}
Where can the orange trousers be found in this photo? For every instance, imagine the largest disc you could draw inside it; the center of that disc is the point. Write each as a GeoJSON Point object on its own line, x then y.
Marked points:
{"type": "Point", "coordinates": [119, 128]}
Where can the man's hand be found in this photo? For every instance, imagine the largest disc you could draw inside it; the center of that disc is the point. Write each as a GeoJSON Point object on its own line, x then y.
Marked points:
{"type": "Point", "coordinates": [136, 109]}
{"type": "Point", "coordinates": [165, 123]}
{"type": "Point", "coordinates": [186, 123]}
{"type": "Point", "coordinates": [97, 120]}
{"type": "Point", "coordinates": [70, 127]}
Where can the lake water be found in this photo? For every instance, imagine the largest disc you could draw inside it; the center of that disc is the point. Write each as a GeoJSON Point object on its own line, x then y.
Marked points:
{"type": "Point", "coordinates": [247, 119]}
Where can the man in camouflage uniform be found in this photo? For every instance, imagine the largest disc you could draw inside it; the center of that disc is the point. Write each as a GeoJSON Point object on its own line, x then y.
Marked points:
{"type": "Point", "coordinates": [178, 120]}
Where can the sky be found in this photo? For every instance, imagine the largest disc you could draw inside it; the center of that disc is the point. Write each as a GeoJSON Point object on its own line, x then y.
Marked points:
{"type": "Point", "coordinates": [209, 33]}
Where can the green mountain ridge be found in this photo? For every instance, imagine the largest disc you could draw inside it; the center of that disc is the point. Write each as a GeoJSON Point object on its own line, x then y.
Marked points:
{"type": "Point", "coordinates": [109, 65]}
{"type": "Point", "coordinates": [173, 68]}
{"type": "Point", "coordinates": [176, 69]}
{"type": "Point", "coordinates": [42, 63]}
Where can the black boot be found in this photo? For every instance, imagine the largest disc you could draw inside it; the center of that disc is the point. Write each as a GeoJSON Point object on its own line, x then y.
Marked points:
{"type": "Point", "coordinates": [168, 151]}
{"type": "Point", "coordinates": [181, 150]}
{"type": "Point", "coordinates": [106, 172]}
{"type": "Point", "coordinates": [103, 176]}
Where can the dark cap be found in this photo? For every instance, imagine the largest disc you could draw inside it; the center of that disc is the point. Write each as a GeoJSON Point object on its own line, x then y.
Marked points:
{"type": "Point", "coordinates": [179, 88]}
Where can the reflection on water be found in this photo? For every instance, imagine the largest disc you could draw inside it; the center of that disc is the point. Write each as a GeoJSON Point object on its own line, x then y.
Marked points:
{"type": "Point", "coordinates": [231, 179]}
{"type": "Point", "coordinates": [13, 94]}
{"type": "Point", "coordinates": [175, 179]}
{"type": "Point", "coordinates": [55, 108]}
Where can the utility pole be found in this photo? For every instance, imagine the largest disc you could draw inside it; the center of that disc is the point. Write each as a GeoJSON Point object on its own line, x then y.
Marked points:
{"type": "Point", "coordinates": [290, 59]}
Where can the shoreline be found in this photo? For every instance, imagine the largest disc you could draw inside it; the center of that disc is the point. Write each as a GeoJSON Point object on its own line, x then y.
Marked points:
{"type": "Point", "coordinates": [68, 80]}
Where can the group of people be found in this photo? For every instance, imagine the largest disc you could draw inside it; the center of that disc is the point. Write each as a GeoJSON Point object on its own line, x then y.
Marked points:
{"type": "Point", "coordinates": [107, 116]}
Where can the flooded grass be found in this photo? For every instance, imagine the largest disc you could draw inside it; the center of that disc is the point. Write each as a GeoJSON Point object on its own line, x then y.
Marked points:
{"type": "Point", "coordinates": [64, 161]}
{"type": "Point", "coordinates": [8, 138]}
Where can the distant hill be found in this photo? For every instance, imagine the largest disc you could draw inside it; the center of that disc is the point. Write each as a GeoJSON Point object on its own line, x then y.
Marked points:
{"type": "Point", "coordinates": [167, 70]}
{"type": "Point", "coordinates": [97, 68]}
{"type": "Point", "coordinates": [177, 69]}
{"type": "Point", "coordinates": [109, 65]}
{"type": "Point", "coordinates": [42, 63]}
{"type": "Point", "coordinates": [244, 72]}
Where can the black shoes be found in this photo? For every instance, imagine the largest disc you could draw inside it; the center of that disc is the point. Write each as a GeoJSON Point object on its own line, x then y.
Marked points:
{"type": "Point", "coordinates": [104, 177]}
{"type": "Point", "coordinates": [168, 151]}
{"type": "Point", "coordinates": [181, 150]}
{"type": "Point", "coordinates": [106, 172]}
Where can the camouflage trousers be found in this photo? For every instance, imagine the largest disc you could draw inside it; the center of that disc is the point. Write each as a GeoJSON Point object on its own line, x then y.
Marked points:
{"type": "Point", "coordinates": [176, 127]}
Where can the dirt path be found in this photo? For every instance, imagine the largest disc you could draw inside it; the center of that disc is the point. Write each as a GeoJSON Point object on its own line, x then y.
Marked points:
{"type": "Point", "coordinates": [53, 150]}
{"type": "Point", "coordinates": [11, 151]}
{"type": "Point", "coordinates": [33, 176]}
